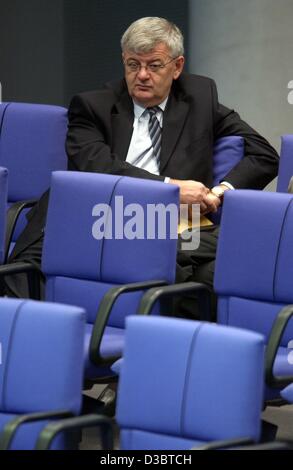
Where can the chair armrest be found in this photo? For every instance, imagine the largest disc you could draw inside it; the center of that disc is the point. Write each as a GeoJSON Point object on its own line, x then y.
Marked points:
{"type": "Point", "coordinates": [51, 430]}
{"type": "Point", "coordinates": [12, 215]}
{"type": "Point", "coordinates": [103, 314]}
{"type": "Point", "coordinates": [153, 295]}
{"type": "Point", "coordinates": [274, 445]}
{"type": "Point", "coordinates": [24, 267]}
{"type": "Point", "coordinates": [225, 444]}
{"type": "Point", "coordinates": [12, 426]}
{"type": "Point", "coordinates": [272, 348]}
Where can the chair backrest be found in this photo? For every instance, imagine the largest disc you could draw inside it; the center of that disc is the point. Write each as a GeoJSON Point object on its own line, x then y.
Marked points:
{"type": "Point", "coordinates": [80, 268]}
{"type": "Point", "coordinates": [41, 362]}
{"type": "Point", "coordinates": [32, 145]}
{"type": "Point", "coordinates": [228, 151]}
{"type": "Point", "coordinates": [185, 383]}
{"type": "Point", "coordinates": [3, 208]}
{"type": "Point", "coordinates": [254, 269]}
{"type": "Point", "coordinates": [286, 163]}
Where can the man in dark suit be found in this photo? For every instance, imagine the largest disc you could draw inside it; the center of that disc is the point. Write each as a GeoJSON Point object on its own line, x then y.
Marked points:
{"type": "Point", "coordinates": [109, 132]}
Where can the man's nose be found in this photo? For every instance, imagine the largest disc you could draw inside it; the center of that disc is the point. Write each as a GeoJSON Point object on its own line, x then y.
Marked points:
{"type": "Point", "coordinates": [143, 73]}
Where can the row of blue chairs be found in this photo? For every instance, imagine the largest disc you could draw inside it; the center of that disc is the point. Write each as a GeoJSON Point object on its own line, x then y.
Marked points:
{"type": "Point", "coordinates": [92, 273]}
{"type": "Point", "coordinates": [78, 272]}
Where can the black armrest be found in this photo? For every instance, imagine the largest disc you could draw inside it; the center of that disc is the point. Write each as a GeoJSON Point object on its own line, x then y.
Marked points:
{"type": "Point", "coordinates": [153, 295]}
{"type": "Point", "coordinates": [274, 445]}
{"type": "Point", "coordinates": [225, 444]}
{"type": "Point", "coordinates": [51, 430]}
{"type": "Point", "coordinates": [24, 267]}
{"type": "Point", "coordinates": [103, 314]}
{"type": "Point", "coordinates": [12, 426]}
{"type": "Point", "coordinates": [272, 348]}
{"type": "Point", "coordinates": [11, 219]}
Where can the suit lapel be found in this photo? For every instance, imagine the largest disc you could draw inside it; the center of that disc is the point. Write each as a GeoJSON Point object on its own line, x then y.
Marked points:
{"type": "Point", "coordinates": [174, 119]}
{"type": "Point", "coordinates": [122, 126]}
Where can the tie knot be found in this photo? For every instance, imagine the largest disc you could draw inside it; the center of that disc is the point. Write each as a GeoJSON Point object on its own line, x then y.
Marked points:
{"type": "Point", "coordinates": [152, 111]}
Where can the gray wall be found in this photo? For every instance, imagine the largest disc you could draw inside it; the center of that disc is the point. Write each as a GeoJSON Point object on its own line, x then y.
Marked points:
{"type": "Point", "coordinates": [246, 46]}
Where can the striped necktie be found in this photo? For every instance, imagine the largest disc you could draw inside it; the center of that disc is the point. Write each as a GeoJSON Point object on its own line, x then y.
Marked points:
{"type": "Point", "coordinates": [155, 131]}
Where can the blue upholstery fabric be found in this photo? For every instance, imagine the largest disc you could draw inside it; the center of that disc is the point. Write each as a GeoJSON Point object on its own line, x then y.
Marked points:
{"type": "Point", "coordinates": [183, 363]}
{"type": "Point", "coordinates": [135, 439]}
{"type": "Point", "coordinates": [253, 267]}
{"type": "Point", "coordinates": [3, 206]}
{"type": "Point", "coordinates": [42, 366]}
{"type": "Point", "coordinates": [80, 269]}
{"type": "Point", "coordinates": [286, 163]}
{"type": "Point", "coordinates": [32, 146]}
{"type": "Point", "coordinates": [228, 151]}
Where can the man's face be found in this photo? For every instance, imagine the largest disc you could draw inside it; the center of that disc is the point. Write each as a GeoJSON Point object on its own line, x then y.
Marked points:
{"type": "Point", "coordinates": [150, 85]}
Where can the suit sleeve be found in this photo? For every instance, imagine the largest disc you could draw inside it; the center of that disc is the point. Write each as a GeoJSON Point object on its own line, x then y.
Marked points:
{"type": "Point", "coordinates": [260, 163]}
{"type": "Point", "coordinates": [87, 145]}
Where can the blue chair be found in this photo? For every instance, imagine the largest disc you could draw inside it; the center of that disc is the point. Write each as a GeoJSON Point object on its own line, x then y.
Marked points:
{"type": "Point", "coordinates": [32, 145]}
{"type": "Point", "coordinates": [254, 271]}
{"type": "Point", "coordinates": [252, 276]}
{"type": "Point", "coordinates": [41, 369]}
{"type": "Point", "coordinates": [94, 273]}
{"type": "Point", "coordinates": [286, 163]}
{"type": "Point", "coordinates": [228, 151]}
{"type": "Point", "coordinates": [202, 387]}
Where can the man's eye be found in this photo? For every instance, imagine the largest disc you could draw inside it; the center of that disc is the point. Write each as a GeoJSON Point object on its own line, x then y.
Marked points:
{"type": "Point", "coordinates": [133, 65]}
{"type": "Point", "coordinates": [154, 67]}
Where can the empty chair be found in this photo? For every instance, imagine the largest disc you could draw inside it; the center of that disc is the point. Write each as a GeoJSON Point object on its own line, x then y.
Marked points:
{"type": "Point", "coordinates": [32, 145]}
{"type": "Point", "coordinates": [286, 163]}
{"type": "Point", "coordinates": [184, 384]}
{"type": "Point", "coordinates": [253, 276]}
{"type": "Point", "coordinates": [254, 267]}
{"type": "Point", "coordinates": [41, 369]}
{"type": "Point", "coordinates": [84, 268]}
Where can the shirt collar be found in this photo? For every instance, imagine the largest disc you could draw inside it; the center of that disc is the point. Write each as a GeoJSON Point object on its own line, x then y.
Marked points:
{"type": "Point", "coordinates": [139, 110]}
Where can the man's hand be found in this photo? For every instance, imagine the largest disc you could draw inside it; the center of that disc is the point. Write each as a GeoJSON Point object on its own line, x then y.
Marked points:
{"type": "Point", "coordinates": [191, 192]}
{"type": "Point", "coordinates": [194, 192]}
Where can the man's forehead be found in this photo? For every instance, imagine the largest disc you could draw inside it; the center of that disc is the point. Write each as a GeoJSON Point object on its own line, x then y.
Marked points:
{"type": "Point", "coordinates": [159, 50]}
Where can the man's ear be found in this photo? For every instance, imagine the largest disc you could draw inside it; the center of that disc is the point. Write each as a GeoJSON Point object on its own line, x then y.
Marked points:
{"type": "Point", "coordinates": [179, 64]}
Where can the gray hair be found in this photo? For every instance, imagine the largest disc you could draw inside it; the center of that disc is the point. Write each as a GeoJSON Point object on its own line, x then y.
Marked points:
{"type": "Point", "coordinates": [144, 34]}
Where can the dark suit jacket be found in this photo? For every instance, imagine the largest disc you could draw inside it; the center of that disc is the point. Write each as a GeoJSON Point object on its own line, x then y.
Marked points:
{"type": "Point", "coordinates": [100, 130]}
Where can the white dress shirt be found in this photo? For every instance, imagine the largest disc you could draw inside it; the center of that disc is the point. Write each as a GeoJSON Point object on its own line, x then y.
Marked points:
{"type": "Point", "coordinates": [140, 152]}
